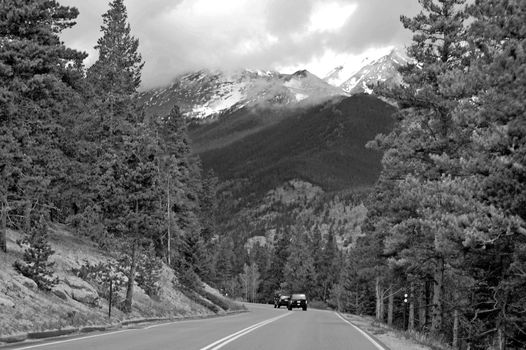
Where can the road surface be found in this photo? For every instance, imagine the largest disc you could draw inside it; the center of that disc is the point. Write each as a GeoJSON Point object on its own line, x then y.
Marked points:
{"type": "Point", "coordinates": [262, 328]}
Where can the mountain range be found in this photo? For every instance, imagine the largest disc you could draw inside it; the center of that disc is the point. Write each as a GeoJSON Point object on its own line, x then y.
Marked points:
{"type": "Point", "coordinates": [270, 137]}
{"type": "Point", "coordinates": [208, 94]}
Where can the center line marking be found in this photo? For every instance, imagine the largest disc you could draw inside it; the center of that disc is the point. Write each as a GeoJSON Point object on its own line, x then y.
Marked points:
{"type": "Point", "coordinates": [230, 338]}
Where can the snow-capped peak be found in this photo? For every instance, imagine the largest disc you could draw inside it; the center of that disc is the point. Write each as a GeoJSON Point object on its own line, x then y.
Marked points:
{"type": "Point", "coordinates": [206, 93]}
{"type": "Point", "coordinates": [383, 69]}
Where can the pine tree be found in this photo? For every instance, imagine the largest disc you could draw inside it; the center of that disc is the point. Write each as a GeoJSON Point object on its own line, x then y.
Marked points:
{"type": "Point", "coordinates": [36, 256]}
{"type": "Point", "coordinates": [329, 269]}
{"type": "Point", "coordinates": [494, 170]}
{"type": "Point", "coordinates": [38, 77]}
{"type": "Point", "coordinates": [126, 180]}
{"type": "Point", "coordinates": [223, 259]}
{"type": "Point", "coordinates": [180, 178]}
{"type": "Point", "coordinates": [279, 257]}
{"type": "Point", "coordinates": [299, 269]}
{"type": "Point", "coordinates": [426, 131]}
{"type": "Point", "coordinates": [118, 68]}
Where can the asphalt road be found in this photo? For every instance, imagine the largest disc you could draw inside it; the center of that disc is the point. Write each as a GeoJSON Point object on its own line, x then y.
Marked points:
{"type": "Point", "coordinates": [263, 327]}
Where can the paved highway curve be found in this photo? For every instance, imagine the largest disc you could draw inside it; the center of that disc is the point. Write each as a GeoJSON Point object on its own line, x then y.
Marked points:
{"type": "Point", "coordinates": [262, 328]}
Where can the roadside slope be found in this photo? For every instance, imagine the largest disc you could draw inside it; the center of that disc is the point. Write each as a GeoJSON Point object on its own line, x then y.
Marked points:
{"type": "Point", "coordinates": [75, 302]}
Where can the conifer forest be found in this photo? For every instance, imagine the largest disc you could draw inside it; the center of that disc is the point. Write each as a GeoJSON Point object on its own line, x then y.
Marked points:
{"type": "Point", "coordinates": [437, 245]}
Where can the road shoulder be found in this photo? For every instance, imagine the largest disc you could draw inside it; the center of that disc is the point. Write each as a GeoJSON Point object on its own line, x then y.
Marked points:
{"type": "Point", "coordinates": [386, 336]}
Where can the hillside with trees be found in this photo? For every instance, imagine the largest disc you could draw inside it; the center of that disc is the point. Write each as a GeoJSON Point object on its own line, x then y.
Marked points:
{"type": "Point", "coordinates": [78, 150]}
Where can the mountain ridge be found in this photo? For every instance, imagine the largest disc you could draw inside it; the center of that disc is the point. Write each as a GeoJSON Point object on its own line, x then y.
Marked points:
{"type": "Point", "coordinates": [208, 94]}
{"type": "Point", "coordinates": [383, 69]}
{"type": "Point", "coordinates": [323, 144]}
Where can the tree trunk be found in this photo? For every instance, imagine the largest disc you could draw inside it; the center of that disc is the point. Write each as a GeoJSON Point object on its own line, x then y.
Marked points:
{"type": "Point", "coordinates": [422, 307]}
{"type": "Point", "coordinates": [133, 264]}
{"type": "Point", "coordinates": [379, 301]}
{"type": "Point", "coordinates": [411, 323]}
{"type": "Point", "coordinates": [27, 217]}
{"type": "Point", "coordinates": [501, 337]}
{"type": "Point", "coordinates": [169, 234]}
{"type": "Point", "coordinates": [3, 225]}
{"type": "Point", "coordinates": [390, 307]}
{"type": "Point", "coordinates": [131, 279]}
{"type": "Point", "coordinates": [455, 329]}
{"type": "Point", "coordinates": [438, 285]}
{"type": "Point", "coordinates": [356, 299]}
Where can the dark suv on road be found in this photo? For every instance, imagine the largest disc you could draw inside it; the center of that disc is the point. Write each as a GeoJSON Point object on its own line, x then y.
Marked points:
{"type": "Point", "coordinates": [298, 300]}
{"type": "Point", "coordinates": [282, 300]}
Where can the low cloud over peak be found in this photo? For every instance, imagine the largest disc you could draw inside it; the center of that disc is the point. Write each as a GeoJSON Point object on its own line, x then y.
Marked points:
{"type": "Point", "coordinates": [185, 35]}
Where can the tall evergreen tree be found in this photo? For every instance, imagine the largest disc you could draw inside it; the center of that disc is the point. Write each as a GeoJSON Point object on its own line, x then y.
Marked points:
{"type": "Point", "coordinates": [299, 269]}
{"type": "Point", "coordinates": [38, 76]}
{"type": "Point", "coordinates": [126, 175]}
{"type": "Point", "coordinates": [455, 165]}
{"type": "Point", "coordinates": [425, 132]}
{"type": "Point", "coordinates": [494, 168]}
{"type": "Point", "coordinates": [278, 259]}
{"type": "Point", "coordinates": [118, 68]}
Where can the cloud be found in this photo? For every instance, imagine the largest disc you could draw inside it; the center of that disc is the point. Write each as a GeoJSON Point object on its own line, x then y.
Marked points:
{"type": "Point", "coordinates": [183, 35]}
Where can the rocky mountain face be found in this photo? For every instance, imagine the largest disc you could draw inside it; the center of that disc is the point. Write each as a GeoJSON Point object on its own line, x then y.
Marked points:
{"type": "Point", "coordinates": [383, 69]}
{"type": "Point", "coordinates": [206, 93]}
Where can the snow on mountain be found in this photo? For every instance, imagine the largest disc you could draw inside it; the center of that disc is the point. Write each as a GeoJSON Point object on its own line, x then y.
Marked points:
{"type": "Point", "coordinates": [353, 79]}
{"type": "Point", "coordinates": [340, 74]}
{"type": "Point", "coordinates": [206, 93]}
{"type": "Point", "coordinates": [384, 69]}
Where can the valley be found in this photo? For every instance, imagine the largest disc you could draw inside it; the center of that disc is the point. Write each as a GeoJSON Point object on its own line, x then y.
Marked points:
{"type": "Point", "coordinates": [285, 168]}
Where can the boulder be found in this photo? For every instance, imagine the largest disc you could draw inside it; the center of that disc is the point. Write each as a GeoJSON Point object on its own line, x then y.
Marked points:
{"type": "Point", "coordinates": [6, 302]}
{"type": "Point", "coordinates": [77, 283]}
{"type": "Point", "coordinates": [62, 291]}
{"type": "Point", "coordinates": [81, 290]}
{"type": "Point", "coordinates": [85, 296]}
{"type": "Point", "coordinates": [26, 282]}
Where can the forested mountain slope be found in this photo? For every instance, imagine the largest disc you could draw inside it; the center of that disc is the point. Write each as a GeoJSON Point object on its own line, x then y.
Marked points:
{"type": "Point", "coordinates": [324, 145]}
{"type": "Point", "coordinates": [290, 175]}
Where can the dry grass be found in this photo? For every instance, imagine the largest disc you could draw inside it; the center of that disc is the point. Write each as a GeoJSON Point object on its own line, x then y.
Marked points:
{"type": "Point", "coordinates": [395, 339]}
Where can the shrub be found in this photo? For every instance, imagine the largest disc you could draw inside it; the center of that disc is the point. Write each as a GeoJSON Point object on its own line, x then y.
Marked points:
{"type": "Point", "coordinates": [198, 299]}
{"type": "Point", "coordinates": [36, 265]}
{"type": "Point", "coordinates": [222, 303]}
{"type": "Point", "coordinates": [101, 275]}
{"type": "Point", "coordinates": [149, 272]}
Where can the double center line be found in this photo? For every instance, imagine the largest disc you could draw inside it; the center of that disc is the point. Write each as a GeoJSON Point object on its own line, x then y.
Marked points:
{"type": "Point", "coordinates": [230, 338]}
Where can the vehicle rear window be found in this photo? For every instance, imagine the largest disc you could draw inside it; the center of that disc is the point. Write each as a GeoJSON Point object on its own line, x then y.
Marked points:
{"type": "Point", "coordinates": [285, 297]}
{"type": "Point", "coordinates": [298, 296]}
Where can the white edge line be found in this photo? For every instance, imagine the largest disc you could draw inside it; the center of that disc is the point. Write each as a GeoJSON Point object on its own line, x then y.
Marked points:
{"type": "Point", "coordinates": [375, 343]}
{"type": "Point", "coordinates": [229, 338]}
{"type": "Point", "coordinates": [71, 340]}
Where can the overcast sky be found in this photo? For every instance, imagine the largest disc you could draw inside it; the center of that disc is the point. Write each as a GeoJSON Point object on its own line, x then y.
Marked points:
{"type": "Point", "coordinates": [177, 36]}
